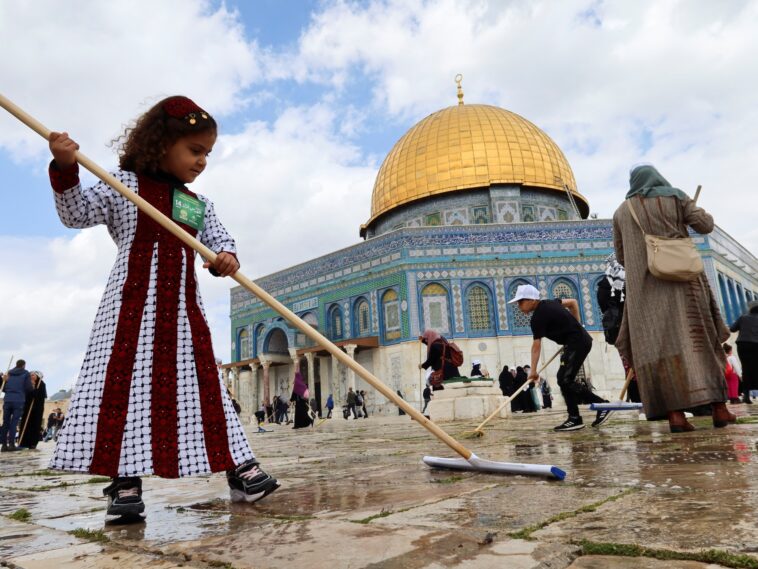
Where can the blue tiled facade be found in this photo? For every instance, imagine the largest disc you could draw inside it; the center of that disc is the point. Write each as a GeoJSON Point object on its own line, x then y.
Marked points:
{"type": "Point", "coordinates": [566, 257]}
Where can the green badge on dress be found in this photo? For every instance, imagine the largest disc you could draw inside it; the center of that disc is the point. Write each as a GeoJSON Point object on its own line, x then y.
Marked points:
{"type": "Point", "coordinates": [188, 210]}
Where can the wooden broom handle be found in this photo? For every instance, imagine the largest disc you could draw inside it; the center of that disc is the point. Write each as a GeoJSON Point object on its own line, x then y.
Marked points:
{"type": "Point", "coordinates": [629, 376]}
{"type": "Point", "coordinates": [5, 375]}
{"type": "Point", "coordinates": [209, 255]}
{"type": "Point", "coordinates": [516, 393]}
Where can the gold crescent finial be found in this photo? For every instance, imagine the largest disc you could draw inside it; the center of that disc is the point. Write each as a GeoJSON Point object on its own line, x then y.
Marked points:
{"type": "Point", "coordinates": [458, 79]}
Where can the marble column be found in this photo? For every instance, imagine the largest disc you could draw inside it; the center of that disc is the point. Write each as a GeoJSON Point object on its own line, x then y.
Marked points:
{"type": "Point", "coordinates": [311, 370]}
{"type": "Point", "coordinates": [266, 364]}
{"type": "Point", "coordinates": [295, 368]}
{"type": "Point", "coordinates": [334, 379]}
{"type": "Point", "coordinates": [236, 383]}
{"type": "Point", "coordinates": [325, 375]}
{"type": "Point", "coordinates": [350, 349]}
{"type": "Point", "coordinates": [253, 396]}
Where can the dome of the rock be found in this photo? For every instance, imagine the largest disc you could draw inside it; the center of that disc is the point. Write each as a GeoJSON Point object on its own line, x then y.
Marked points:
{"type": "Point", "coordinates": [470, 146]}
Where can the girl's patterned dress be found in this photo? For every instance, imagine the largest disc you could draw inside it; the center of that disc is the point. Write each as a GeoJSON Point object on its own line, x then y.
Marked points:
{"type": "Point", "coordinates": [149, 399]}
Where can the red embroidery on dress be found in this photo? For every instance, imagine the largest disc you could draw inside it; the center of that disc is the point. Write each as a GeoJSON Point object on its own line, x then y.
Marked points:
{"type": "Point", "coordinates": [163, 408]}
{"type": "Point", "coordinates": [209, 386]}
{"type": "Point", "coordinates": [118, 376]}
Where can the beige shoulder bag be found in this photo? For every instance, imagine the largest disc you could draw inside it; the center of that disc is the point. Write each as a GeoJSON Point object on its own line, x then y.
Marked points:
{"type": "Point", "coordinates": [670, 258]}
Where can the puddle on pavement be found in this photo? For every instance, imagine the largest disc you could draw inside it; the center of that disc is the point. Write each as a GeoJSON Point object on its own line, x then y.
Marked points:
{"type": "Point", "coordinates": [698, 486]}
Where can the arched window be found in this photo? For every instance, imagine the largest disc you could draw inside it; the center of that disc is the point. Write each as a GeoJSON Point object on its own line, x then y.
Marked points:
{"type": "Point", "coordinates": [362, 316]}
{"type": "Point", "coordinates": [335, 322]}
{"type": "Point", "coordinates": [741, 299]}
{"type": "Point", "coordinates": [391, 310]}
{"type": "Point", "coordinates": [563, 288]}
{"type": "Point", "coordinates": [276, 342]}
{"type": "Point", "coordinates": [256, 339]}
{"type": "Point", "coordinates": [479, 303]}
{"type": "Point", "coordinates": [434, 301]}
{"type": "Point", "coordinates": [735, 304]}
{"type": "Point", "coordinates": [244, 345]}
{"type": "Point", "coordinates": [725, 298]}
{"type": "Point", "coordinates": [521, 323]}
{"type": "Point", "coordinates": [301, 339]}
{"type": "Point", "coordinates": [310, 319]}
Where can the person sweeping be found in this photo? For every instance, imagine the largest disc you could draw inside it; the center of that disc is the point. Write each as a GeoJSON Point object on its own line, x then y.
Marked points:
{"type": "Point", "coordinates": [149, 400]}
{"type": "Point", "coordinates": [552, 320]}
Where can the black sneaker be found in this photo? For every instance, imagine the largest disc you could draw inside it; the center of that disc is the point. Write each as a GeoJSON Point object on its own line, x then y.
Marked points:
{"type": "Point", "coordinates": [602, 416]}
{"type": "Point", "coordinates": [124, 497]}
{"type": "Point", "coordinates": [248, 483]}
{"type": "Point", "coordinates": [570, 424]}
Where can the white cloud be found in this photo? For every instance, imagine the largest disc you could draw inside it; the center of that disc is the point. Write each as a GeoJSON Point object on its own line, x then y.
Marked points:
{"type": "Point", "coordinates": [51, 289]}
{"type": "Point", "coordinates": [290, 191]}
{"type": "Point", "coordinates": [91, 67]}
{"type": "Point", "coordinates": [593, 75]}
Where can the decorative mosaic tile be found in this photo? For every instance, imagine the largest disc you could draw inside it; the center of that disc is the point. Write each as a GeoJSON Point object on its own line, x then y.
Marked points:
{"type": "Point", "coordinates": [458, 308]}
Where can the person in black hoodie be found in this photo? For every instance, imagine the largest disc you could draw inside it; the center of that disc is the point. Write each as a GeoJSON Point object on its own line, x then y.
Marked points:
{"type": "Point", "coordinates": [508, 387]}
{"type": "Point", "coordinates": [17, 386]}
{"type": "Point", "coordinates": [524, 399]}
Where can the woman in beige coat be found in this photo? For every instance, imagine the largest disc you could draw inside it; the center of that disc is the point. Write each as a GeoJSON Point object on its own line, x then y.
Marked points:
{"type": "Point", "coordinates": [671, 332]}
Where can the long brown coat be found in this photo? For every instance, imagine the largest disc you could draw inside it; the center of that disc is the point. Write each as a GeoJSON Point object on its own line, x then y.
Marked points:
{"type": "Point", "coordinates": [671, 332]}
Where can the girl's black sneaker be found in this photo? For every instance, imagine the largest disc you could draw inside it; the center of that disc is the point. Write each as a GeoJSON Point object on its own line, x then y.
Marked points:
{"type": "Point", "coordinates": [248, 483]}
{"type": "Point", "coordinates": [124, 497]}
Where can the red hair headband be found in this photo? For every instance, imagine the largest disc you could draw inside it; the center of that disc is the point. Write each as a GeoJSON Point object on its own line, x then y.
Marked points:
{"type": "Point", "coordinates": [185, 109]}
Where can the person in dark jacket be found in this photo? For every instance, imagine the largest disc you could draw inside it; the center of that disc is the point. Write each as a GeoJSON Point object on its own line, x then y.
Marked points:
{"type": "Point", "coordinates": [329, 406]}
{"type": "Point", "coordinates": [54, 423]}
{"type": "Point", "coordinates": [34, 411]}
{"type": "Point", "coordinates": [747, 347]}
{"type": "Point", "coordinates": [351, 401]}
{"type": "Point", "coordinates": [427, 398]}
{"type": "Point", "coordinates": [435, 346]}
{"type": "Point", "coordinates": [17, 386]}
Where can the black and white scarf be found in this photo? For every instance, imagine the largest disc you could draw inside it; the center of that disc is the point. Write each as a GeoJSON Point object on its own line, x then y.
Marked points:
{"type": "Point", "coordinates": [615, 275]}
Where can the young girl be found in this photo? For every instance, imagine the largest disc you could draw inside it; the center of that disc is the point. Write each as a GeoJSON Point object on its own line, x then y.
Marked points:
{"type": "Point", "coordinates": [149, 399]}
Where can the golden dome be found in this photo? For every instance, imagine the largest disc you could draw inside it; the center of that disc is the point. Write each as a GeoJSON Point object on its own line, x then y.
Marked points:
{"type": "Point", "coordinates": [470, 146]}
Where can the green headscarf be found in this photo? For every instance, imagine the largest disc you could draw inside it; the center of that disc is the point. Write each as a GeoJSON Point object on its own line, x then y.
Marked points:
{"type": "Point", "coordinates": [648, 182]}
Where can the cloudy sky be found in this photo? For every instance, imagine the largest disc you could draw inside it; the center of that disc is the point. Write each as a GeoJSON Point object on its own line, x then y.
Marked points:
{"type": "Point", "coordinates": [311, 95]}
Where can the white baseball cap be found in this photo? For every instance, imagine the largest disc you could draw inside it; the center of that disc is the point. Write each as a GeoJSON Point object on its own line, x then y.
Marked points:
{"type": "Point", "coordinates": [525, 292]}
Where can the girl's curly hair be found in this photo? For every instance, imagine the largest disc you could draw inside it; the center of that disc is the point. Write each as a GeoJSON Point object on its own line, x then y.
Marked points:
{"type": "Point", "coordinates": [143, 145]}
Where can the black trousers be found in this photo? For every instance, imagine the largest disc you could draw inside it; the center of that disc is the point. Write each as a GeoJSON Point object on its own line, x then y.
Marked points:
{"type": "Point", "coordinates": [748, 353]}
{"type": "Point", "coordinates": [575, 392]}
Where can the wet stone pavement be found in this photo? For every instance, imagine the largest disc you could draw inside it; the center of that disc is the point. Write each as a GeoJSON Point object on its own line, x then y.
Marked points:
{"type": "Point", "coordinates": [355, 494]}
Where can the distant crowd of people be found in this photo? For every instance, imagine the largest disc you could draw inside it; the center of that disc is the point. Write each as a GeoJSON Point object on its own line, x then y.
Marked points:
{"type": "Point", "coordinates": [25, 393]}
{"type": "Point", "coordinates": [305, 408]}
